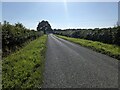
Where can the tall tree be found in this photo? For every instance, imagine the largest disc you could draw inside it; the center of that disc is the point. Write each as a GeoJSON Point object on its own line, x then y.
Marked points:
{"type": "Point", "coordinates": [44, 26]}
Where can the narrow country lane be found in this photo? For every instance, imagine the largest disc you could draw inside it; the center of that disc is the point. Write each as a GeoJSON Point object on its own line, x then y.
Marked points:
{"type": "Point", "coordinates": [69, 65]}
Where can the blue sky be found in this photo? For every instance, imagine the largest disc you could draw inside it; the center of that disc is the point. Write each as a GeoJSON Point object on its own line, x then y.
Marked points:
{"type": "Point", "coordinates": [61, 14]}
{"type": "Point", "coordinates": [0, 11]}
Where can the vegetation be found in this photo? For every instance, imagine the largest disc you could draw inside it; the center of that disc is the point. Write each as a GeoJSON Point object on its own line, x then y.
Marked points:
{"type": "Point", "coordinates": [24, 68]}
{"type": "Point", "coordinates": [111, 50]}
{"type": "Point", "coordinates": [45, 27]}
{"type": "Point", "coordinates": [105, 35]}
{"type": "Point", "coordinates": [13, 37]}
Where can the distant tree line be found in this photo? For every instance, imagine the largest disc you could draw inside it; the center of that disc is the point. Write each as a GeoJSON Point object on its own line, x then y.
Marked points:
{"type": "Point", "coordinates": [13, 36]}
{"type": "Point", "coordinates": [105, 35]}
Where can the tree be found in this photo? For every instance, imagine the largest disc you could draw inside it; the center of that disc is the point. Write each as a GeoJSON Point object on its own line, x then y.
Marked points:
{"type": "Point", "coordinates": [44, 26]}
{"type": "Point", "coordinates": [117, 36]}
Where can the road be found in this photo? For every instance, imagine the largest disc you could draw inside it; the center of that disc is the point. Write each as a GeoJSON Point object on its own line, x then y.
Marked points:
{"type": "Point", "coordinates": [69, 65]}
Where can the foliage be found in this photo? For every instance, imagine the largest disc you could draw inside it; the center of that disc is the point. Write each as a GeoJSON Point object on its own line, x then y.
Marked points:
{"type": "Point", "coordinates": [13, 36]}
{"type": "Point", "coordinates": [44, 26]}
{"type": "Point", "coordinates": [111, 50]}
{"type": "Point", "coordinates": [105, 35]}
{"type": "Point", "coordinates": [24, 68]}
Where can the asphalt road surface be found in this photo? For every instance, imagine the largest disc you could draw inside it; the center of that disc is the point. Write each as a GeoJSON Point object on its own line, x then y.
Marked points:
{"type": "Point", "coordinates": [69, 65]}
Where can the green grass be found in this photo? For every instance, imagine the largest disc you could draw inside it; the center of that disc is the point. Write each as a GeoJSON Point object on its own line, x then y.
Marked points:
{"type": "Point", "coordinates": [24, 68]}
{"type": "Point", "coordinates": [108, 49]}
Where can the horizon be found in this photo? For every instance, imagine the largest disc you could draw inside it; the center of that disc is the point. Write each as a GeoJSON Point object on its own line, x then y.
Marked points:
{"type": "Point", "coordinates": [62, 15]}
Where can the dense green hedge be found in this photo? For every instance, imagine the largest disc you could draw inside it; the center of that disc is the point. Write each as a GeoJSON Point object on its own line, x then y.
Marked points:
{"type": "Point", "coordinates": [13, 36]}
{"type": "Point", "coordinates": [105, 35]}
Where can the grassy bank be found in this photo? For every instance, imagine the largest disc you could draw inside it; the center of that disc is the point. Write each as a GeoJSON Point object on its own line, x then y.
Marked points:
{"type": "Point", "coordinates": [108, 49]}
{"type": "Point", "coordinates": [24, 68]}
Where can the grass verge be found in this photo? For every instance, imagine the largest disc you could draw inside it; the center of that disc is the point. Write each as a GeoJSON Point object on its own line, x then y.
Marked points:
{"type": "Point", "coordinates": [24, 68]}
{"type": "Point", "coordinates": [108, 49]}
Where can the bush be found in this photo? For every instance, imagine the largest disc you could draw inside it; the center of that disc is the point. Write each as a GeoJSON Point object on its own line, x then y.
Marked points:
{"type": "Point", "coordinates": [105, 35]}
{"type": "Point", "coordinates": [13, 36]}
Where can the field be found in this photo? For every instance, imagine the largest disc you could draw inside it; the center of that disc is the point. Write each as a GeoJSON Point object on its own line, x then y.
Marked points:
{"type": "Point", "coordinates": [24, 68]}
{"type": "Point", "coordinates": [108, 49]}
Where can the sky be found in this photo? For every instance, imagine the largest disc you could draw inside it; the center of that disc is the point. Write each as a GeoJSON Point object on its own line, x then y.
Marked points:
{"type": "Point", "coordinates": [62, 15]}
{"type": "Point", "coordinates": [0, 11]}
{"type": "Point", "coordinates": [60, 0]}
{"type": "Point", "coordinates": [119, 11]}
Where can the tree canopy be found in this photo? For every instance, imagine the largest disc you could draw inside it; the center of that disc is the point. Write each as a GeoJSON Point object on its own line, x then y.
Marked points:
{"type": "Point", "coordinates": [44, 26]}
